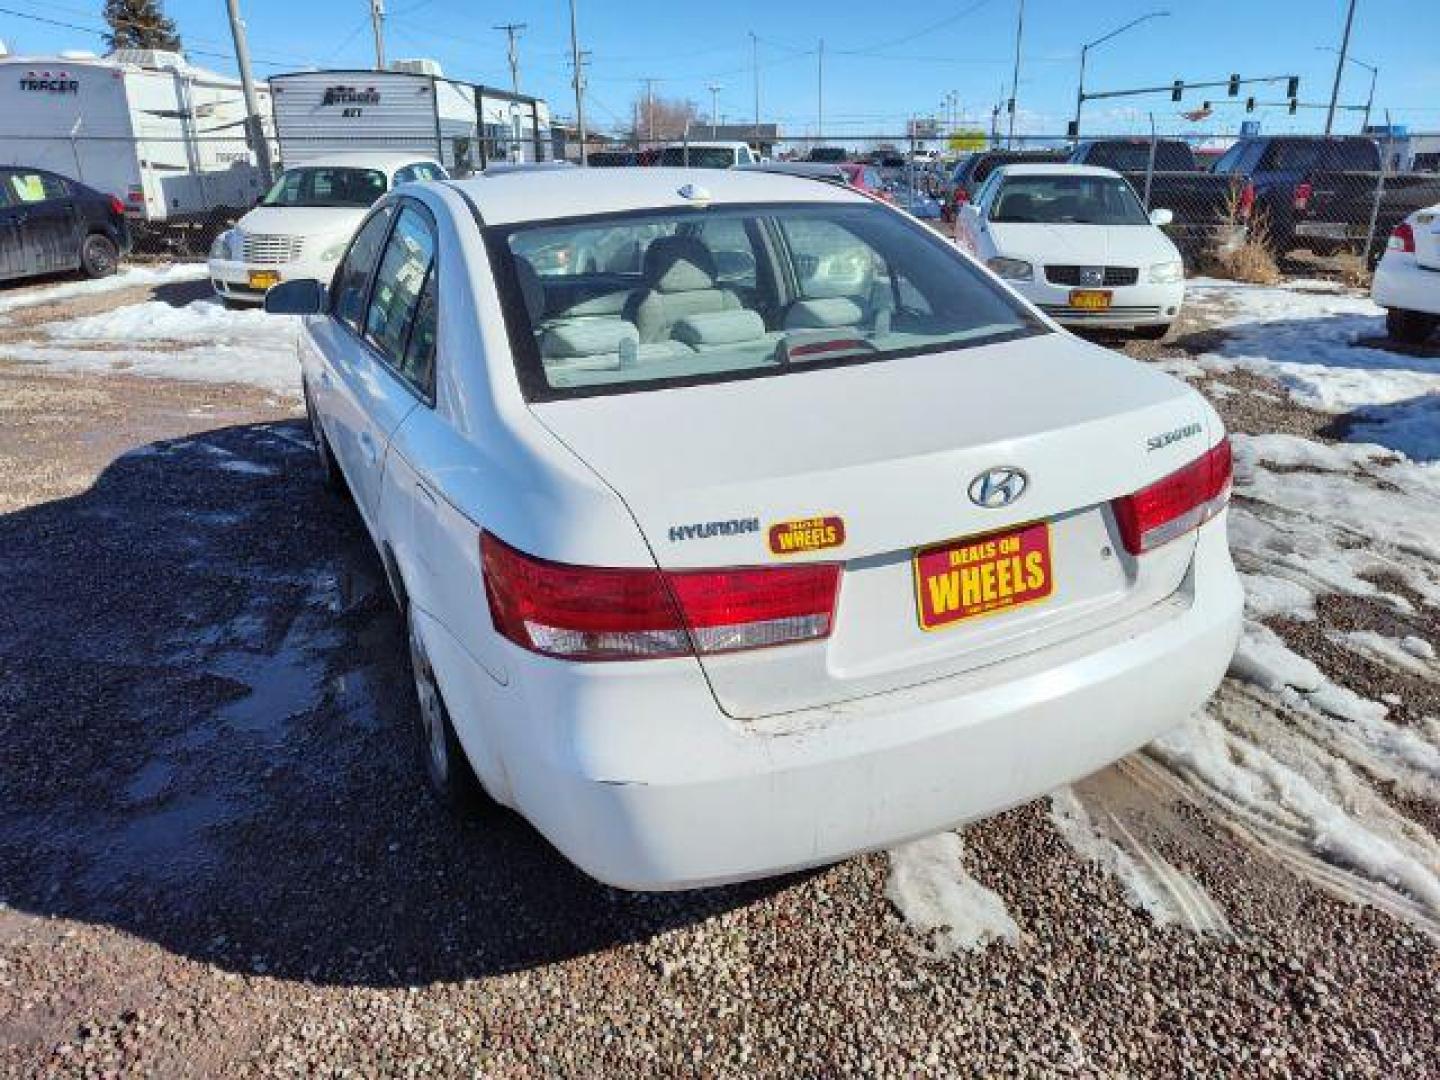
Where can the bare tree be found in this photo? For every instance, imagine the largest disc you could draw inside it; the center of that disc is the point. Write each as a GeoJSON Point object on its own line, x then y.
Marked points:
{"type": "Point", "coordinates": [659, 119]}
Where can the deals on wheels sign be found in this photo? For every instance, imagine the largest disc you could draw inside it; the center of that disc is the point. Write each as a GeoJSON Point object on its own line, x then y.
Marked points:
{"type": "Point", "coordinates": [967, 140]}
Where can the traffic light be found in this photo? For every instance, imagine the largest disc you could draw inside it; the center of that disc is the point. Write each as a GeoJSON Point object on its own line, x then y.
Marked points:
{"type": "Point", "coordinates": [1177, 91]}
{"type": "Point", "coordinates": [1072, 130]}
{"type": "Point", "coordinates": [1292, 88]}
{"type": "Point", "coordinates": [1234, 85]}
{"type": "Point", "coordinates": [1249, 104]}
{"type": "Point", "coordinates": [1293, 105]}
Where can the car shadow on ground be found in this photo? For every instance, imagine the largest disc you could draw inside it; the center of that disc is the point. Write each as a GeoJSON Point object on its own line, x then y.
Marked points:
{"type": "Point", "coordinates": [207, 713]}
{"type": "Point", "coordinates": [180, 293]}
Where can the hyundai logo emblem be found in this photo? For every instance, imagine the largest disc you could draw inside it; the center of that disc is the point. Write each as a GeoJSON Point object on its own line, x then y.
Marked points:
{"type": "Point", "coordinates": [999, 487]}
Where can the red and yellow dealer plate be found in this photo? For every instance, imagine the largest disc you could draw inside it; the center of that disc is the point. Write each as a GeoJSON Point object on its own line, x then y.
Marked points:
{"type": "Point", "coordinates": [980, 575]}
{"type": "Point", "coordinates": [806, 534]}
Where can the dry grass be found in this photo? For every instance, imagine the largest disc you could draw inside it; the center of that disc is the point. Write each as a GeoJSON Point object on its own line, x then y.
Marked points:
{"type": "Point", "coordinates": [1242, 251]}
{"type": "Point", "coordinates": [1353, 271]}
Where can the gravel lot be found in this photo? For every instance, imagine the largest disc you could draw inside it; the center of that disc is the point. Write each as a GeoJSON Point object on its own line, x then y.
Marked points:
{"type": "Point", "coordinates": [217, 856]}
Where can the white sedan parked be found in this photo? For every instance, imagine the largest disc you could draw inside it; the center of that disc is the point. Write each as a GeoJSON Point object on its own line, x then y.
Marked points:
{"type": "Point", "coordinates": [303, 223]}
{"type": "Point", "coordinates": [742, 524]}
{"type": "Point", "coordinates": [1407, 281]}
{"type": "Point", "coordinates": [1075, 241]}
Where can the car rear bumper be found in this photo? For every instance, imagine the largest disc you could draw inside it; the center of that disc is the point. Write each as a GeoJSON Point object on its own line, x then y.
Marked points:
{"type": "Point", "coordinates": [635, 775]}
{"type": "Point", "coordinates": [1402, 283]}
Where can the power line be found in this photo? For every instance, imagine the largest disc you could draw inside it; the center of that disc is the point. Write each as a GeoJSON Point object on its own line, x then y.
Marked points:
{"type": "Point", "coordinates": [512, 31]}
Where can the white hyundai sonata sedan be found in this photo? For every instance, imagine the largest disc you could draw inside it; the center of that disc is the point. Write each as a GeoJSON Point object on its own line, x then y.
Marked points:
{"type": "Point", "coordinates": [742, 524]}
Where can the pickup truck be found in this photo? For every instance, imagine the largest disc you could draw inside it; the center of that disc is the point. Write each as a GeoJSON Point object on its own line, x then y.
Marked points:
{"type": "Point", "coordinates": [1200, 201]}
{"type": "Point", "coordinates": [1318, 192]}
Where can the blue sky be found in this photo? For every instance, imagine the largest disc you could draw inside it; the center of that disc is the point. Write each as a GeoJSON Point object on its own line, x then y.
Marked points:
{"type": "Point", "coordinates": [882, 62]}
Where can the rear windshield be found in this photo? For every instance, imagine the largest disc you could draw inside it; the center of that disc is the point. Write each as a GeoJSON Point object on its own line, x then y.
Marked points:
{"type": "Point", "coordinates": [642, 301]}
{"type": "Point", "coordinates": [1067, 200]}
{"type": "Point", "coordinates": [1335, 155]}
{"type": "Point", "coordinates": [698, 157]}
{"type": "Point", "coordinates": [1135, 157]}
{"type": "Point", "coordinates": [325, 186]}
{"type": "Point", "coordinates": [984, 164]}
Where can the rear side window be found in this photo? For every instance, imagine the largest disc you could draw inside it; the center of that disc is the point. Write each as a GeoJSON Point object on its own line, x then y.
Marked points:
{"type": "Point", "coordinates": [394, 300]}
{"type": "Point", "coordinates": [34, 187]}
{"type": "Point", "coordinates": [353, 277]}
{"type": "Point", "coordinates": [1337, 155]}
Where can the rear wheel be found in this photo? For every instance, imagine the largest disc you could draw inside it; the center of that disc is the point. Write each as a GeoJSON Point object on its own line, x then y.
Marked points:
{"type": "Point", "coordinates": [452, 780]}
{"type": "Point", "coordinates": [1411, 327]}
{"type": "Point", "coordinates": [1152, 333]}
{"type": "Point", "coordinates": [99, 257]}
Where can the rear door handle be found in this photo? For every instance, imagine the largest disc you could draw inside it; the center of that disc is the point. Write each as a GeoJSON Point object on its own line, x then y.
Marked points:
{"type": "Point", "coordinates": [325, 379]}
{"type": "Point", "coordinates": [367, 445]}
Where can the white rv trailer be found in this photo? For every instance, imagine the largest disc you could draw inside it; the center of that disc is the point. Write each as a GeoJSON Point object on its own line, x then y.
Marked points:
{"type": "Point", "coordinates": [411, 108]}
{"type": "Point", "coordinates": [165, 138]}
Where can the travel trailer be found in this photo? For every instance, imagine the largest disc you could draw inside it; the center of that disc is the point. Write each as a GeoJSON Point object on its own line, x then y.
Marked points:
{"type": "Point", "coordinates": [165, 138]}
{"type": "Point", "coordinates": [412, 108]}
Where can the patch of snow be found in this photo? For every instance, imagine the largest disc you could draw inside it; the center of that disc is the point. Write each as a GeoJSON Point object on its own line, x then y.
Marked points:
{"type": "Point", "coordinates": [1149, 886]}
{"type": "Point", "coordinates": [201, 341]}
{"type": "Point", "coordinates": [1267, 595]}
{"type": "Point", "coordinates": [1275, 798]}
{"type": "Point", "coordinates": [253, 468]}
{"type": "Point", "coordinates": [931, 889]}
{"type": "Point", "coordinates": [1408, 654]}
{"type": "Point", "coordinates": [127, 278]}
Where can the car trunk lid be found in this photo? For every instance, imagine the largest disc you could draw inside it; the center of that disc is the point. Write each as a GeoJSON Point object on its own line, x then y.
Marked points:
{"type": "Point", "coordinates": [720, 475]}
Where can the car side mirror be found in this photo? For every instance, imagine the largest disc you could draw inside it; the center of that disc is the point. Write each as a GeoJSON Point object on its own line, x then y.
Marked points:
{"type": "Point", "coordinates": [303, 296]}
{"type": "Point", "coordinates": [1161, 217]}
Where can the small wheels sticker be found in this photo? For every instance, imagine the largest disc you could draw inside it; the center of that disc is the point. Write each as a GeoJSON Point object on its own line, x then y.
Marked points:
{"type": "Point", "coordinates": [806, 534]}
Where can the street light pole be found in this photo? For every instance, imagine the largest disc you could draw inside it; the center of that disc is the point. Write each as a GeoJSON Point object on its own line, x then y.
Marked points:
{"type": "Point", "coordinates": [1085, 49]}
{"type": "Point", "coordinates": [1374, 75]}
{"type": "Point", "coordinates": [714, 89]}
{"type": "Point", "coordinates": [377, 24]}
{"type": "Point", "coordinates": [1340, 67]}
{"type": "Point", "coordinates": [254, 126]}
{"type": "Point", "coordinates": [755, 68]}
{"type": "Point", "coordinates": [1015, 74]}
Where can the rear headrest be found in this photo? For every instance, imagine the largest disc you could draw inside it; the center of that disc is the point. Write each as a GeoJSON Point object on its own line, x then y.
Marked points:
{"type": "Point", "coordinates": [532, 289]}
{"type": "Point", "coordinates": [587, 337]}
{"type": "Point", "coordinates": [719, 328]}
{"type": "Point", "coordinates": [823, 314]}
{"type": "Point", "coordinates": [679, 264]}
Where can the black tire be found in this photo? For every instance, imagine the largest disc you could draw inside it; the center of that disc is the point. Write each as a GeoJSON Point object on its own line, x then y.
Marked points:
{"type": "Point", "coordinates": [99, 257]}
{"type": "Point", "coordinates": [447, 770]}
{"type": "Point", "coordinates": [1151, 333]}
{"type": "Point", "coordinates": [1410, 327]}
{"type": "Point", "coordinates": [330, 474]}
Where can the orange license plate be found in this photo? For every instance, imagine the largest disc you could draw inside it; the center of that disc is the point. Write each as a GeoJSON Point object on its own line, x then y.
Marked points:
{"type": "Point", "coordinates": [980, 575]}
{"type": "Point", "coordinates": [1090, 299]}
{"type": "Point", "coordinates": [263, 279]}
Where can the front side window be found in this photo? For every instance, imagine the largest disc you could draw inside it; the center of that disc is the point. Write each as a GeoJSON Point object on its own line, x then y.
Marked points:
{"type": "Point", "coordinates": [735, 292]}
{"type": "Point", "coordinates": [404, 267]}
{"type": "Point", "coordinates": [353, 276]}
{"type": "Point", "coordinates": [326, 186]}
{"type": "Point", "coordinates": [1067, 200]}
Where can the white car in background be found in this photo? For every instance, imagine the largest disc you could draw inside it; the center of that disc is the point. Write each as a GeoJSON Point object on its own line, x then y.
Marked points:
{"type": "Point", "coordinates": [1075, 241]}
{"type": "Point", "coordinates": [301, 226]}
{"type": "Point", "coordinates": [795, 537]}
{"type": "Point", "coordinates": [1407, 281]}
{"type": "Point", "coordinates": [707, 155]}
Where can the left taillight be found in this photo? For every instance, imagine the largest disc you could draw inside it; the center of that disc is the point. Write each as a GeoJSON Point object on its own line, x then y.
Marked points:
{"type": "Point", "coordinates": [614, 613]}
{"type": "Point", "coordinates": [1303, 191]}
{"type": "Point", "coordinates": [116, 206]}
{"type": "Point", "coordinates": [1402, 239]}
{"type": "Point", "coordinates": [1176, 504]}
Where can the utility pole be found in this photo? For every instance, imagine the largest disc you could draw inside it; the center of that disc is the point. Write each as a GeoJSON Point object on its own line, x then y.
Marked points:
{"type": "Point", "coordinates": [512, 31]}
{"type": "Point", "coordinates": [577, 58]}
{"type": "Point", "coordinates": [1340, 67]}
{"type": "Point", "coordinates": [714, 89]}
{"type": "Point", "coordinates": [1015, 75]}
{"type": "Point", "coordinates": [649, 111]}
{"type": "Point", "coordinates": [755, 68]}
{"type": "Point", "coordinates": [377, 23]}
{"type": "Point", "coordinates": [254, 127]}
{"type": "Point", "coordinates": [820, 93]}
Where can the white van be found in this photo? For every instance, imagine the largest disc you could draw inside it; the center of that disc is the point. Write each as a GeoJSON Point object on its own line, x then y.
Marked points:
{"type": "Point", "coordinates": [707, 155]}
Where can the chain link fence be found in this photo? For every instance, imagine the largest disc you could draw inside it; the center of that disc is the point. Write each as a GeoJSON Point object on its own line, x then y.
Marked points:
{"type": "Point", "coordinates": [1304, 205]}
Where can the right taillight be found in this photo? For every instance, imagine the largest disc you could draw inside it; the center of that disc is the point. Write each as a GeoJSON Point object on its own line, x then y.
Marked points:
{"type": "Point", "coordinates": [1402, 239]}
{"type": "Point", "coordinates": [1176, 504]}
{"type": "Point", "coordinates": [961, 196]}
{"type": "Point", "coordinates": [608, 613]}
{"type": "Point", "coordinates": [1303, 191]}
{"type": "Point", "coordinates": [1247, 201]}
